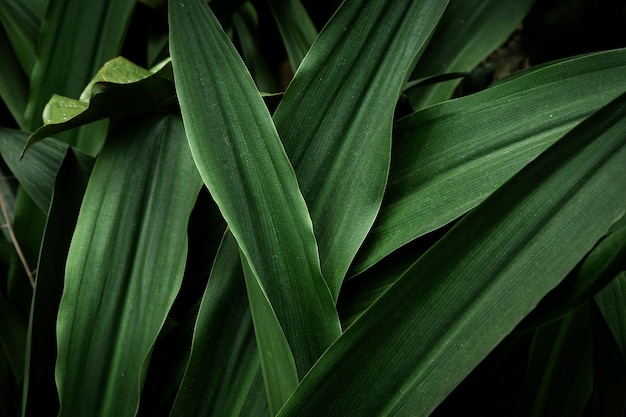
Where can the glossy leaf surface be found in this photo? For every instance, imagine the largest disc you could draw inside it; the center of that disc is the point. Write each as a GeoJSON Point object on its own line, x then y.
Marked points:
{"type": "Point", "coordinates": [124, 266]}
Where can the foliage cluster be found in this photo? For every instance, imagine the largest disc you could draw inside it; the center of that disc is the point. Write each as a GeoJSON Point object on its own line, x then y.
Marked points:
{"type": "Point", "coordinates": [184, 238]}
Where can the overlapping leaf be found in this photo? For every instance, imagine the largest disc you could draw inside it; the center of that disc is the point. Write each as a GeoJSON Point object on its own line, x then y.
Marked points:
{"type": "Point", "coordinates": [458, 301]}
{"type": "Point", "coordinates": [449, 157]}
{"type": "Point", "coordinates": [244, 166]}
{"type": "Point", "coordinates": [336, 118]}
{"type": "Point", "coordinates": [85, 34]}
{"type": "Point", "coordinates": [468, 33]}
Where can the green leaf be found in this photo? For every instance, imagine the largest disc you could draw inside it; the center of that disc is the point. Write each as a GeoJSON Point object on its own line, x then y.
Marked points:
{"type": "Point", "coordinates": [37, 171]}
{"type": "Point", "coordinates": [13, 81]}
{"type": "Point", "coordinates": [40, 391]}
{"type": "Point", "coordinates": [224, 328]}
{"type": "Point", "coordinates": [244, 166]}
{"type": "Point", "coordinates": [124, 266]}
{"type": "Point", "coordinates": [407, 352]}
{"type": "Point", "coordinates": [559, 377]}
{"type": "Point", "coordinates": [77, 38]}
{"type": "Point", "coordinates": [296, 29]}
{"type": "Point", "coordinates": [467, 34]}
{"type": "Point", "coordinates": [336, 118]}
{"type": "Point", "coordinates": [612, 303]}
{"type": "Point", "coordinates": [120, 87]}
{"type": "Point", "coordinates": [609, 368]}
{"type": "Point", "coordinates": [450, 157]}
{"type": "Point", "coordinates": [245, 23]}
{"type": "Point", "coordinates": [598, 269]}
{"type": "Point", "coordinates": [22, 20]}
{"type": "Point", "coordinates": [13, 330]}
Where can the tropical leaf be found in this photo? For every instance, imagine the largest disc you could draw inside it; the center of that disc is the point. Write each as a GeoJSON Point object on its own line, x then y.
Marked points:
{"type": "Point", "coordinates": [336, 118]}
{"type": "Point", "coordinates": [120, 87]}
{"type": "Point", "coordinates": [407, 352]}
{"type": "Point", "coordinates": [450, 157]}
{"type": "Point", "coordinates": [125, 265]}
{"type": "Point", "coordinates": [244, 166]}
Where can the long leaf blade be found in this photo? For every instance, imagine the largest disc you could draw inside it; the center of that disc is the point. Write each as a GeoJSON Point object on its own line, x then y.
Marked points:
{"type": "Point", "coordinates": [244, 166]}
{"type": "Point", "coordinates": [336, 118]}
{"type": "Point", "coordinates": [85, 34]}
{"type": "Point", "coordinates": [450, 157]}
{"type": "Point", "coordinates": [124, 266]}
{"type": "Point", "coordinates": [454, 305]}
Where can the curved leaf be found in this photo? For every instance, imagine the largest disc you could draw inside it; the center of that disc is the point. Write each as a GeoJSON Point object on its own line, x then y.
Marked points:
{"type": "Point", "coordinates": [125, 265]}
{"type": "Point", "coordinates": [467, 34]}
{"type": "Point", "coordinates": [244, 166]}
{"type": "Point", "coordinates": [119, 87]}
{"type": "Point", "coordinates": [448, 158]}
{"type": "Point", "coordinates": [336, 118]}
{"type": "Point", "coordinates": [407, 352]}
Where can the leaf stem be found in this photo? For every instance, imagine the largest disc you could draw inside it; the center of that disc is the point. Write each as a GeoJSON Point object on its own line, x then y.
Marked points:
{"type": "Point", "coordinates": [20, 254]}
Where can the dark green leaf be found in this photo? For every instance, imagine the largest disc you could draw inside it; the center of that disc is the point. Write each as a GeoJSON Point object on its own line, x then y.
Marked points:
{"type": "Point", "coordinates": [612, 303]}
{"type": "Point", "coordinates": [13, 81]}
{"type": "Point", "coordinates": [407, 352]}
{"type": "Point", "coordinates": [296, 29]}
{"type": "Point", "coordinates": [467, 34]}
{"type": "Point", "coordinates": [37, 171]}
{"type": "Point", "coordinates": [559, 380]}
{"type": "Point", "coordinates": [40, 391]}
{"type": "Point", "coordinates": [448, 158]}
{"type": "Point", "coordinates": [224, 349]}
